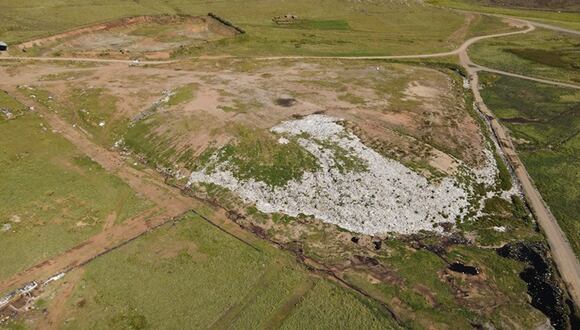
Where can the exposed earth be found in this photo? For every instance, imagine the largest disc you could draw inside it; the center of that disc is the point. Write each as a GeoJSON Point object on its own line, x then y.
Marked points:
{"type": "Point", "coordinates": [327, 181]}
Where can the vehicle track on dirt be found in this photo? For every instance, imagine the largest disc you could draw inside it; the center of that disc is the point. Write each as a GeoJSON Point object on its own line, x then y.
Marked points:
{"type": "Point", "coordinates": [171, 203]}
{"type": "Point", "coordinates": [531, 26]}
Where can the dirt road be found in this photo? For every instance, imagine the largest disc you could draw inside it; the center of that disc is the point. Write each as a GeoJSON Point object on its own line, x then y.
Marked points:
{"type": "Point", "coordinates": [171, 203]}
{"type": "Point", "coordinates": [562, 252]}
{"type": "Point", "coordinates": [515, 75]}
{"type": "Point", "coordinates": [78, 59]}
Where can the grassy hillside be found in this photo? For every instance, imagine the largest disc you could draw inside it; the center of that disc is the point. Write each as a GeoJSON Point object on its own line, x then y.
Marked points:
{"type": "Point", "coordinates": [327, 27]}
{"type": "Point", "coordinates": [545, 123]}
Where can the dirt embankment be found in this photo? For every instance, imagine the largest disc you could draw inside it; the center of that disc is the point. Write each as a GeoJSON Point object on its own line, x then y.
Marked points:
{"type": "Point", "coordinates": [213, 25]}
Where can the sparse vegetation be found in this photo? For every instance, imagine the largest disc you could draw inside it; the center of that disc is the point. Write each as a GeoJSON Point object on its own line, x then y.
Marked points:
{"type": "Point", "coordinates": [258, 155]}
{"type": "Point", "coordinates": [182, 94]}
{"type": "Point", "coordinates": [345, 160]}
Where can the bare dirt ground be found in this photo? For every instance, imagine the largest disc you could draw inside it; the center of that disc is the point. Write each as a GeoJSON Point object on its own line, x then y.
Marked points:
{"type": "Point", "coordinates": [56, 312]}
{"type": "Point", "coordinates": [153, 37]}
{"type": "Point", "coordinates": [172, 203]}
{"type": "Point", "coordinates": [244, 93]}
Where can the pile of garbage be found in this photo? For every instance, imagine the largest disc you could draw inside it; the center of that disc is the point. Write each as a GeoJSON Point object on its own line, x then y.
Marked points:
{"type": "Point", "coordinates": [385, 197]}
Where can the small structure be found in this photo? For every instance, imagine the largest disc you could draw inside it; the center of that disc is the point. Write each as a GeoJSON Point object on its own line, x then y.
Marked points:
{"type": "Point", "coordinates": [3, 46]}
{"type": "Point", "coordinates": [286, 19]}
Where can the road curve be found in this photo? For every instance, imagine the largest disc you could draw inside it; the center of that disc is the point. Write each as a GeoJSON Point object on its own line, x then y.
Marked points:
{"type": "Point", "coordinates": [563, 255]}
{"type": "Point", "coordinates": [458, 51]}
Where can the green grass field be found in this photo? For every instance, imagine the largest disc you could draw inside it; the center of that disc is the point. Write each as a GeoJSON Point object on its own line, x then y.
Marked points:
{"type": "Point", "coordinates": [544, 121]}
{"type": "Point", "coordinates": [53, 197]}
{"type": "Point", "coordinates": [564, 19]}
{"type": "Point", "coordinates": [542, 53]}
{"type": "Point", "coordinates": [191, 275]}
{"type": "Point", "coordinates": [337, 27]}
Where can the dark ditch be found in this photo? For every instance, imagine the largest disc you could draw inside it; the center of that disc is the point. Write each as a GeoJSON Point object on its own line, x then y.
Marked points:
{"type": "Point", "coordinates": [461, 268]}
{"type": "Point", "coordinates": [543, 286]}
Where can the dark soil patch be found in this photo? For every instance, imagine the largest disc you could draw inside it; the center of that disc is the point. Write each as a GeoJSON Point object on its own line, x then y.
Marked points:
{"type": "Point", "coordinates": [461, 268]}
{"type": "Point", "coordinates": [286, 102]}
{"type": "Point", "coordinates": [543, 287]}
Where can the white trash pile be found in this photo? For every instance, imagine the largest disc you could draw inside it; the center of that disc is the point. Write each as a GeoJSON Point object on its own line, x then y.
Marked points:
{"type": "Point", "coordinates": [386, 197]}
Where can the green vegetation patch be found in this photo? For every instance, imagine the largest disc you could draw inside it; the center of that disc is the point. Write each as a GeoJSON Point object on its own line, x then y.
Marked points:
{"type": "Point", "coordinates": [324, 307]}
{"type": "Point", "coordinates": [542, 53]}
{"type": "Point", "coordinates": [344, 160]}
{"type": "Point", "coordinates": [545, 123]}
{"type": "Point", "coordinates": [182, 94]}
{"type": "Point", "coordinates": [55, 197]}
{"type": "Point", "coordinates": [257, 155]}
{"type": "Point", "coordinates": [155, 148]}
{"type": "Point", "coordinates": [561, 58]}
{"type": "Point", "coordinates": [564, 19]}
{"type": "Point", "coordinates": [193, 266]}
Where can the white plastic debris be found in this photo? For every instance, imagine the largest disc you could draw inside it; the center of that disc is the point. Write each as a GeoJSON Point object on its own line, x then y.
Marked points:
{"type": "Point", "coordinates": [501, 229]}
{"type": "Point", "coordinates": [386, 197]}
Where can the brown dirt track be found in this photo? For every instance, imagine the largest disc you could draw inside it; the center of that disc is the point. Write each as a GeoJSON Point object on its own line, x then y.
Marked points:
{"type": "Point", "coordinates": [171, 203]}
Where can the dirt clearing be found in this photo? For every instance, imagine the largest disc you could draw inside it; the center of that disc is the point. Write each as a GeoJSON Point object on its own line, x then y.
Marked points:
{"type": "Point", "coordinates": [153, 37]}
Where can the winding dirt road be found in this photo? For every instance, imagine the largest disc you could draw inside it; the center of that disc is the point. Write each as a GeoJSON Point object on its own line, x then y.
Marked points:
{"type": "Point", "coordinates": [562, 252]}
{"type": "Point", "coordinates": [170, 203]}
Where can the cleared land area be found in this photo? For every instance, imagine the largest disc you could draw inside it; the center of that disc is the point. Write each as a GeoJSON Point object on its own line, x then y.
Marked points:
{"type": "Point", "coordinates": [246, 263]}
{"type": "Point", "coordinates": [542, 53]}
{"type": "Point", "coordinates": [167, 129]}
{"type": "Point", "coordinates": [543, 120]}
{"type": "Point", "coordinates": [150, 37]}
